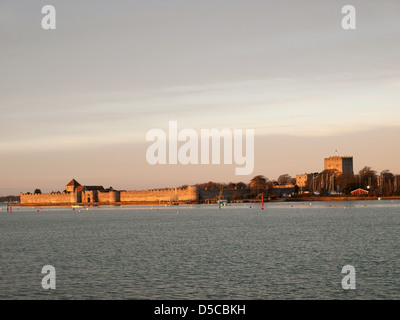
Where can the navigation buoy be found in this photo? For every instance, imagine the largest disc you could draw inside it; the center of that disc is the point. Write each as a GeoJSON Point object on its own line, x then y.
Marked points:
{"type": "Point", "coordinates": [262, 202]}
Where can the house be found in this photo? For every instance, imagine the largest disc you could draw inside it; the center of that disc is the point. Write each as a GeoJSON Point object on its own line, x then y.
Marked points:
{"type": "Point", "coordinates": [359, 191]}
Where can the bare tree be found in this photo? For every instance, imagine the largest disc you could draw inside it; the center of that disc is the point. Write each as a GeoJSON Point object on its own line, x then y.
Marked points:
{"type": "Point", "coordinates": [367, 178]}
{"type": "Point", "coordinates": [284, 179]}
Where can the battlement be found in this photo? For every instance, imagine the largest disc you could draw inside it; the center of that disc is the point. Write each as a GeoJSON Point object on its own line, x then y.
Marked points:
{"type": "Point", "coordinates": [82, 195]}
{"type": "Point", "coordinates": [42, 194]}
{"type": "Point", "coordinates": [339, 157]}
{"type": "Point", "coordinates": [45, 198]}
{"type": "Point", "coordinates": [183, 194]}
{"type": "Point", "coordinates": [163, 189]}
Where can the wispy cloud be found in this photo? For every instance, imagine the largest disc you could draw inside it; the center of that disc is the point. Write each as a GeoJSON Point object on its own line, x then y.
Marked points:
{"type": "Point", "coordinates": [107, 76]}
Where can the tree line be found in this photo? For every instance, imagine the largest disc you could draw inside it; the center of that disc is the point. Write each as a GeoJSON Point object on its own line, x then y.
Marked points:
{"type": "Point", "coordinates": [323, 183]}
{"type": "Point", "coordinates": [333, 182]}
{"type": "Point", "coordinates": [383, 184]}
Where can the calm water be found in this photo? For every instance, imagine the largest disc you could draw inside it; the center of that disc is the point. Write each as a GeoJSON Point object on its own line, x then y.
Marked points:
{"type": "Point", "coordinates": [237, 252]}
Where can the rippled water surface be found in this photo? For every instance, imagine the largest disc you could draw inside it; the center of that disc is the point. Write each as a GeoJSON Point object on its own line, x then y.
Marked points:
{"type": "Point", "coordinates": [287, 251]}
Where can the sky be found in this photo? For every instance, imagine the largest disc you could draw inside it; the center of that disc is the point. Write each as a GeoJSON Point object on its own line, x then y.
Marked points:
{"type": "Point", "coordinates": [77, 101]}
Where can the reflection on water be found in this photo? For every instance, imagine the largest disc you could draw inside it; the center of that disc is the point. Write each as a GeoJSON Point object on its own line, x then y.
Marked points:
{"type": "Point", "coordinates": [292, 250]}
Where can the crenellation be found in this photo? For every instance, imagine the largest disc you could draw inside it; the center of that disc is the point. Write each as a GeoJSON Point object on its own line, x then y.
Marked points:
{"type": "Point", "coordinates": [92, 194]}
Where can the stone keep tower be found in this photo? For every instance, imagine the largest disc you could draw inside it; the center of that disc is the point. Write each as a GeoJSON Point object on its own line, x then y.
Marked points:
{"type": "Point", "coordinates": [340, 164]}
{"type": "Point", "coordinates": [72, 186]}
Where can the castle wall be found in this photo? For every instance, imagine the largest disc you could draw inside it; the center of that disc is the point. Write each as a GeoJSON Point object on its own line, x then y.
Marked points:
{"type": "Point", "coordinates": [45, 198]}
{"type": "Point", "coordinates": [109, 197]}
{"type": "Point", "coordinates": [187, 194]}
{"type": "Point", "coordinates": [115, 196]}
{"type": "Point", "coordinates": [86, 197]}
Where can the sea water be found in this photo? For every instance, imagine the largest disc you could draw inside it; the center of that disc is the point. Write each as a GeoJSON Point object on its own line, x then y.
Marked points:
{"type": "Point", "coordinates": [289, 250]}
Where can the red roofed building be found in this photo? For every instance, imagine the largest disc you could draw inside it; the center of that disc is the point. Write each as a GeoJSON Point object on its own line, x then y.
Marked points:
{"type": "Point", "coordinates": [359, 191]}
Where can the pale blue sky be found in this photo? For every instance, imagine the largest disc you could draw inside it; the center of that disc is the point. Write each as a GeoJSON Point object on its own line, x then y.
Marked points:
{"type": "Point", "coordinates": [78, 101]}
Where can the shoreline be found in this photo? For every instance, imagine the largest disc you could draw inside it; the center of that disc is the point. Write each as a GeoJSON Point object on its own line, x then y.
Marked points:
{"type": "Point", "coordinates": [157, 203]}
{"type": "Point", "coordinates": [343, 198]}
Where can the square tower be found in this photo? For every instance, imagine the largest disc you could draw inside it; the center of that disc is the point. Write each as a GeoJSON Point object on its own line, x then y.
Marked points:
{"type": "Point", "coordinates": [72, 186]}
{"type": "Point", "coordinates": [340, 164]}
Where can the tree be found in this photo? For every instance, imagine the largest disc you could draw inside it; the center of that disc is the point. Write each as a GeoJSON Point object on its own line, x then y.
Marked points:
{"type": "Point", "coordinates": [258, 184]}
{"type": "Point", "coordinates": [396, 184]}
{"type": "Point", "coordinates": [386, 182]}
{"type": "Point", "coordinates": [236, 196]}
{"type": "Point", "coordinates": [386, 174]}
{"type": "Point", "coordinates": [38, 191]}
{"type": "Point", "coordinates": [367, 171]}
{"type": "Point", "coordinates": [367, 177]}
{"type": "Point", "coordinates": [325, 180]}
{"type": "Point", "coordinates": [241, 185]}
{"type": "Point", "coordinates": [346, 182]}
{"type": "Point", "coordinates": [350, 187]}
{"type": "Point", "coordinates": [210, 186]}
{"type": "Point", "coordinates": [284, 179]}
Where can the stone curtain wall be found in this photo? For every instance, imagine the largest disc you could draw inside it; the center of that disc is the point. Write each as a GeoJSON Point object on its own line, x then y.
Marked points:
{"type": "Point", "coordinates": [187, 194]}
{"type": "Point", "coordinates": [45, 198]}
{"type": "Point", "coordinates": [109, 197]}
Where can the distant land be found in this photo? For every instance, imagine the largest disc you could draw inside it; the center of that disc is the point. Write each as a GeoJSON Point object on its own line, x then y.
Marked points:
{"type": "Point", "coordinates": [10, 198]}
{"type": "Point", "coordinates": [336, 182]}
